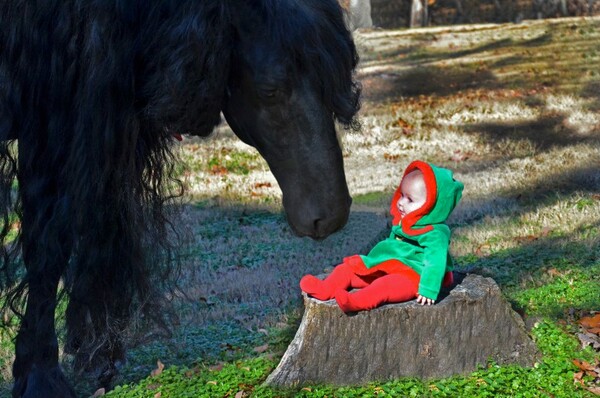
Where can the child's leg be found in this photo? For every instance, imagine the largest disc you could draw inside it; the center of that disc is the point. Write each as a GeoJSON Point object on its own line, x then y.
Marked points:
{"type": "Point", "coordinates": [341, 277]}
{"type": "Point", "coordinates": [448, 279]}
{"type": "Point", "coordinates": [393, 288]}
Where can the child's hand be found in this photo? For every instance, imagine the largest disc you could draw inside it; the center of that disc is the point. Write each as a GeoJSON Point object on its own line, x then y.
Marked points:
{"type": "Point", "coordinates": [424, 300]}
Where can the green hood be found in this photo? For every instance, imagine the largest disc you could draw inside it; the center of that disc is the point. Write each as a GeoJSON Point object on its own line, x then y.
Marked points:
{"type": "Point", "coordinates": [443, 194]}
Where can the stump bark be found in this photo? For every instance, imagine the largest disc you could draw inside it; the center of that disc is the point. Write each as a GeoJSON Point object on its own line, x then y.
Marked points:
{"type": "Point", "coordinates": [471, 324]}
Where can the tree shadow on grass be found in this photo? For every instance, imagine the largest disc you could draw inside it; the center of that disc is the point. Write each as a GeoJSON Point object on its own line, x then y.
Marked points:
{"type": "Point", "coordinates": [546, 132]}
{"type": "Point", "coordinates": [544, 273]}
{"type": "Point", "coordinates": [427, 80]}
{"type": "Point", "coordinates": [592, 91]}
{"type": "Point", "coordinates": [421, 73]}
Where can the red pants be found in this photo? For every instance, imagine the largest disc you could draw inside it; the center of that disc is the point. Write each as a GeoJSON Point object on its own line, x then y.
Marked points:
{"type": "Point", "coordinates": [376, 288]}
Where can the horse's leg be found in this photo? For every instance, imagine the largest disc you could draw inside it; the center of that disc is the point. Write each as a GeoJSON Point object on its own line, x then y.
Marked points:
{"type": "Point", "coordinates": [94, 325]}
{"type": "Point", "coordinates": [99, 311]}
{"type": "Point", "coordinates": [46, 250]}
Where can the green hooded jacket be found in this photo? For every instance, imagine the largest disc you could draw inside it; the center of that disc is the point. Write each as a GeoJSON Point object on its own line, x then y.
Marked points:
{"type": "Point", "coordinates": [421, 239]}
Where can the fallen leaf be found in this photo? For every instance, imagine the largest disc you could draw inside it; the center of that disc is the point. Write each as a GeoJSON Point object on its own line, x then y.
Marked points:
{"type": "Point", "coordinates": [191, 372]}
{"type": "Point", "coordinates": [158, 395]}
{"type": "Point", "coordinates": [213, 382]}
{"type": "Point", "coordinates": [594, 390]}
{"type": "Point", "coordinates": [391, 157]}
{"type": "Point", "coordinates": [216, 367]}
{"type": "Point", "coordinates": [239, 394]}
{"type": "Point", "coordinates": [590, 322]}
{"type": "Point", "coordinates": [261, 348]}
{"type": "Point", "coordinates": [578, 378]}
{"type": "Point", "coordinates": [583, 365]}
{"type": "Point", "coordinates": [483, 250]}
{"type": "Point", "coordinates": [99, 392]}
{"type": "Point", "coordinates": [554, 272]}
{"type": "Point", "coordinates": [307, 389]}
{"type": "Point", "coordinates": [589, 339]}
{"type": "Point", "coordinates": [159, 369]}
{"type": "Point", "coordinates": [407, 128]}
{"type": "Point", "coordinates": [263, 185]}
{"type": "Point", "coordinates": [219, 170]}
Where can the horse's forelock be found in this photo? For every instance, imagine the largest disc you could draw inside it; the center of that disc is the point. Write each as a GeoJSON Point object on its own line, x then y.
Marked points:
{"type": "Point", "coordinates": [321, 46]}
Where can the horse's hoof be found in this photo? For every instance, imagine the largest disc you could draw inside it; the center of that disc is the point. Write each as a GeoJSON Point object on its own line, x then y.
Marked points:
{"type": "Point", "coordinates": [43, 383]}
{"type": "Point", "coordinates": [106, 376]}
{"type": "Point", "coordinates": [102, 367]}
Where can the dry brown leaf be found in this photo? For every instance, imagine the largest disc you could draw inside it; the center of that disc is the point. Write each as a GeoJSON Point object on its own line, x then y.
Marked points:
{"type": "Point", "coordinates": [153, 386]}
{"type": "Point", "coordinates": [218, 170]}
{"type": "Point", "coordinates": [594, 390]}
{"type": "Point", "coordinates": [554, 272]}
{"type": "Point", "coordinates": [99, 393]}
{"type": "Point", "coordinates": [261, 348]}
{"type": "Point", "coordinates": [158, 395]}
{"type": "Point", "coordinates": [240, 394]}
{"type": "Point", "coordinates": [583, 365]}
{"type": "Point", "coordinates": [483, 250]}
{"type": "Point", "coordinates": [159, 369]}
{"type": "Point", "coordinates": [590, 322]}
{"type": "Point", "coordinates": [263, 185]}
{"type": "Point", "coordinates": [216, 367]}
{"type": "Point", "coordinates": [191, 372]}
{"type": "Point", "coordinates": [391, 157]}
{"type": "Point", "coordinates": [578, 378]}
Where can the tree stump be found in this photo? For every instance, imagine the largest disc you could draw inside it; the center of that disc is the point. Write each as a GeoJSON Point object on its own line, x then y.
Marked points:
{"type": "Point", "coordinates": [471, 324]}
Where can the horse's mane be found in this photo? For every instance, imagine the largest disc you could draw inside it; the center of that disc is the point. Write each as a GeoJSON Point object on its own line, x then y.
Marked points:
{"type": "Point", "coordinates": [314, 34]}
{"type": "Point", "coordinates": [124, 75]}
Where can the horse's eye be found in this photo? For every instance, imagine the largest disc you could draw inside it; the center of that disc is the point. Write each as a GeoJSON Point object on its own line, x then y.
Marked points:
{"type": "Point", "coordinates": [268, 93]}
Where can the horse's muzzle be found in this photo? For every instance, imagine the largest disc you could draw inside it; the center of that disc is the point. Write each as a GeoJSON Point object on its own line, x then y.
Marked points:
{"type": "Point", "coordinates": [320, 227]}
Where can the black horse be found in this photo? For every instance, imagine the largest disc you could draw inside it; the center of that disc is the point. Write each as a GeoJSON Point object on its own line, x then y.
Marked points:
{"type": "Point", "coordinates": [92, 92]}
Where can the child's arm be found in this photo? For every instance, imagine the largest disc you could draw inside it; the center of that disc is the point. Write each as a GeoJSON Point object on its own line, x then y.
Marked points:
{"type": "Point", "coordinates": [435, 255]}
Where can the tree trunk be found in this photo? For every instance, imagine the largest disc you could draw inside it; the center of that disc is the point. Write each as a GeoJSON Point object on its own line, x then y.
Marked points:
{"type": "Point", "coordinates": [470, 325]}
{"type": "Point", "coordinates": [418, 13]}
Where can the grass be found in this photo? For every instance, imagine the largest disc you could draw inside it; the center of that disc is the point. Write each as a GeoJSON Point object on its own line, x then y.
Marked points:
{"type": "Point", "coordinates": [513, 109]}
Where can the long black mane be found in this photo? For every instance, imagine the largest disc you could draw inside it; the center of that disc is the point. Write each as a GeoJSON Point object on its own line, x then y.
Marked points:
{"type": "Point", "coordinates": [312, 34]}
{"type": "Point", "coordinates": [103, 131]}
{"type": "Point", "coordinates": [91, 92]}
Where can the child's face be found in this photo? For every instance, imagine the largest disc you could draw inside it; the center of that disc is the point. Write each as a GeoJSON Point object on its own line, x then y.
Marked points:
{"type": "Point", "coordinates": [413, 192]}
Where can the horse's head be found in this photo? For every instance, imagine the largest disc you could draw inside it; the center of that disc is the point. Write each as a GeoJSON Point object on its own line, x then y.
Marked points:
{"type": "Point", "coordinates": [291, 77]}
